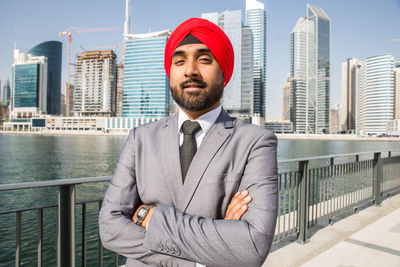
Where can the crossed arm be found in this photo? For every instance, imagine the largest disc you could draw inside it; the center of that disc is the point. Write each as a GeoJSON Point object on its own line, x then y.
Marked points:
{"type": "Point", "coordinates": [236, 208]}
{"type": "Point", "coordinates": [225, 242]}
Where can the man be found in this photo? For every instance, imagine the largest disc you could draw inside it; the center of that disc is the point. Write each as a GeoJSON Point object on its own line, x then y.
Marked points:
{"type": "Point", "coordinates": [198, 188]}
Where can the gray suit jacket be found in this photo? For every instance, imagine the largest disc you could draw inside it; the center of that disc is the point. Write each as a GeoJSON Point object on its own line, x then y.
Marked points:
{"type": "Point", "coordinates": [187, 226]}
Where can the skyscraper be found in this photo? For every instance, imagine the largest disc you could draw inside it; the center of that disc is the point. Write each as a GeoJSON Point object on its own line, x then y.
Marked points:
{"type": "Point", "coordinates": [257, 21]}
{"type": "Point", "coordinates": [310, 72]}
{"type": "Point", "coordinates": [397, 90]}
{"type": "Point", "coordinates": [350, 75]}
{"type": "Point", "coordinates": [120, 90]}
{"type": "Point", "coordinates": [95, 83]}
{"type": "Point", "coordinates": [52, 50]}
{"type": "Point", "coordinates": [379, 93]}
{"type": "Point", "coordinates": [360, 95]}
{"type": "Point", "coordinates": [286, 100]}
{"type": "Point", "coordinates": [238, 94]}
{"type": "Point", "coordinates": [146, 86]}
{"type": "Point", "coordinates": [29, 85]}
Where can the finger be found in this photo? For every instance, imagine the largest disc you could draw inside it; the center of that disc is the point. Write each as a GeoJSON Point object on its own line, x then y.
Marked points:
{"type": "Point", "coordinates": [235, 199]}
{"type": "Point", "coordinates": [235, 207]}
{"type": "Point", "coordinates": [239, 213]}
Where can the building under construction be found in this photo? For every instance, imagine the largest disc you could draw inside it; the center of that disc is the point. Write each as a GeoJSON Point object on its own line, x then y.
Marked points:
{"type": "Point", "coordinates": [95, 84]}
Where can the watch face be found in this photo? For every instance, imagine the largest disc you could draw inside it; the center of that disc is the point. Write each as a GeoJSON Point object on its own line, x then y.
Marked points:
{"type": "Point", "coordinates": [142, 212]}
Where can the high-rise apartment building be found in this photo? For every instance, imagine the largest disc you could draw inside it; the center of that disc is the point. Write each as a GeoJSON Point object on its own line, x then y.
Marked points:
{"type": "Point", "coordinates": [360, 95]}
{"type": "Point", "coordinates": [310, 72]}
{"type": "Point", "coordinates": [286, 100]}
{"type": "Point", "coordinates": [146, 86]}
{"type": "Point", "coordinates": [350, 76]}
{"type": "Point", "coordinates": [95, 84]}
{"type": "Point", "coordinates": [29, 93]}
{"type": "Point", "coordinates": [238, 93]}
{"type": "Point", "coordinates": [378, 106]}
{"type": "Point", "coordinates": [3, 98]}
{"type": "Point", "coordinates": [397, 90]}
{"type": "Point", "coordinates": [120, 90]}
{"type": "Point", "coordinates": [6, 96]}
{"type": "Point", "coordinates": [257, 21]}
{"type": "Point", "coordinates": [52, 50]}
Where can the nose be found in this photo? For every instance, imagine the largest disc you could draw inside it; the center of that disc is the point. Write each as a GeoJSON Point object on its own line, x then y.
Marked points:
{"type": "Point", "coordinates": [192, 69]}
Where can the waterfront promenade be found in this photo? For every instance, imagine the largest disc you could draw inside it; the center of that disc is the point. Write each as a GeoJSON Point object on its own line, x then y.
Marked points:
{"type": "Point", "coordinates": [314, 192]}
{"type": "Point", "coordinates": [370, 237]}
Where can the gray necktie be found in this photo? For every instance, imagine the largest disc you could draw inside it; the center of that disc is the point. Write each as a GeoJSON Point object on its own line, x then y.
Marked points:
{"type": "Point", "coordinates": [189, 146]}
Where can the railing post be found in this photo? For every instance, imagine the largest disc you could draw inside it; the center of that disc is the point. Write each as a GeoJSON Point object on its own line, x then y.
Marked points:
{"type": "Point", "coordinates": [66, 226]}
{"type": "Point", "coordinates": [18, 240]}
{"type": "Point", "coordinates": [84, 235]}
{"type": "Point", "coordinates": [304, 201]}
{"type": "Point", "coordinates": [377, 180]}
{"type": "Point", "coordinates": [100, 244]}
{"type": "Point", "coordinates": [40, 237]}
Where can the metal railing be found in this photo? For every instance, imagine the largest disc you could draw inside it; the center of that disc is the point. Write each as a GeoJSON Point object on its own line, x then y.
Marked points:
{"type": "Point", "coordinates": [311, 190]}
{"type": "Point", "coordinates": [314, 194]}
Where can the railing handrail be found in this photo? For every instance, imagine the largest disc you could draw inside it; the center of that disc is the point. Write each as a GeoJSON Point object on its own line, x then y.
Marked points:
{"type": "Point", "coordinates": [60, 182]}
{"type": "Point", "coordinates": [75, 181]}
{"type": "Point", "coordinates": [335, 156]}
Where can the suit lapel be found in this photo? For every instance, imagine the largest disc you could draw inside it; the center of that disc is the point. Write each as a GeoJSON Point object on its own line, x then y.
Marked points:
{"type": "Point", "coordinates": [169, 150]}
{"type": "Point", "coordinates": [206, 152]}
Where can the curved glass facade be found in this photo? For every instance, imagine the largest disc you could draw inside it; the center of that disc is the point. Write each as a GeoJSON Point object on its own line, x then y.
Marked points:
{"type": "Point", "coordinates": [379, 93]}
{"type": "Point", "coordinates": [53, 51]}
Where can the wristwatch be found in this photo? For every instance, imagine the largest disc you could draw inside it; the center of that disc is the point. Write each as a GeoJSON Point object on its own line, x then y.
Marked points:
{"type": "Point", "coordinates": [142, 213]}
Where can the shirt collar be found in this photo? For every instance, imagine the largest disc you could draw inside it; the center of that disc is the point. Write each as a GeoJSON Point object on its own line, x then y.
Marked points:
{"type": "Point", "coordinates": [206, 120]}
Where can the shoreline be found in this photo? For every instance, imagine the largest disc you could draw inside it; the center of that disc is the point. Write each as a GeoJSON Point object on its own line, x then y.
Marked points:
{"type": "Point", "coordinates": [321, 137]}
{"type": "Point", "coordinates": [66, 133]}
{"type": "Point", "coordinates": [335, 137]}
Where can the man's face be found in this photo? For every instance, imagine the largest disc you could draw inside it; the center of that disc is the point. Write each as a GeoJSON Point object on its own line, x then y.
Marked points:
{"type": "Point", "coordinates": [196, 80]}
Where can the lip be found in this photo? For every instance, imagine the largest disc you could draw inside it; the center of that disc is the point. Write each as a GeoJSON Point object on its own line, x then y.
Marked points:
{"type": "Point", "coordinates": [193, 87]}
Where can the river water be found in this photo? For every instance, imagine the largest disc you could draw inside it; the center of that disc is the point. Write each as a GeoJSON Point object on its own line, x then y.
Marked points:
{"type": "Point", "coordinates": [30, 158]}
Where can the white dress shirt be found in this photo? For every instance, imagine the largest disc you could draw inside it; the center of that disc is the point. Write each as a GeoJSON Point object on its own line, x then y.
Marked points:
{"type": "Point", "coordinates": [206, 121]}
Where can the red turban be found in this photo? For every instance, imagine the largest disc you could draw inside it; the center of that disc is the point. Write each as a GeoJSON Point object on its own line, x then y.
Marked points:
{"type": "Point", "coordinates": [209, 34]}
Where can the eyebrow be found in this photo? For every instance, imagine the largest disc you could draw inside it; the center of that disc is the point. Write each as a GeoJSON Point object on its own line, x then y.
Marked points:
{"type": "Point", "coordinates": [178, 53]}
{"type": "Point", "coordinates": [204, 50]}
{"type": "Point", "coordinates": [181, 52]}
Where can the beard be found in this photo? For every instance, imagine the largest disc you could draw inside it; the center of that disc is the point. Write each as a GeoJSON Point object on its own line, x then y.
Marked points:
{"type": "Point", "coordinates": [197, 101]}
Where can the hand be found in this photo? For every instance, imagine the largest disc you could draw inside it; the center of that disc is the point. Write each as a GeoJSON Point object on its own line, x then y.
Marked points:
{"type": "Point", "coordinates": [147, 218]}
{"type": "Point", "coordinates": [238, 206]}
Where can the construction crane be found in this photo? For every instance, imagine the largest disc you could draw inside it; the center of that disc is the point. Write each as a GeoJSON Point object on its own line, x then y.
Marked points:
{"type": "Point", "coordinates": [69, 32]}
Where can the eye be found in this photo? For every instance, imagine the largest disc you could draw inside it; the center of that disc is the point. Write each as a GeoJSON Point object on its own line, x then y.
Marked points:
{"type": "Point", "coordinates": [205, 59]}
{"type": "Point", "coordinates": [179, 61]}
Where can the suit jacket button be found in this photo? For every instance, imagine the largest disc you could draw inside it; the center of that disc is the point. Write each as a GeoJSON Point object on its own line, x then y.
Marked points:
{"type": "Point", "coordinates": [171, 250]}
{"type": "Point", "coordinates": [177, 252]}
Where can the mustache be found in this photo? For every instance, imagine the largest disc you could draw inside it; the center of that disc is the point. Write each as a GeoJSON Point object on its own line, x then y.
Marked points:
{"type": "Point", "coordinates": [198, 82]}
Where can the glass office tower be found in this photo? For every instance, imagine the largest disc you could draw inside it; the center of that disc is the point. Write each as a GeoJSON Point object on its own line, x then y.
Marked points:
{"type": "Point", "coordinates": [146, 86]}
{"type": "Point", "coordinates": [378, 93]}
{"type": "Point", "coordinates": [238, 93]}
{"type": "Point", "coordinates": [310, 72]}
{"type": "Point", "coordinates": [257, 21]}
{"type": "Point", "coordinates": [29, 81]}
{"type": "Point", "coordinates": [52, 50]}
{"type": "Point", "coordinates": [26, 86]}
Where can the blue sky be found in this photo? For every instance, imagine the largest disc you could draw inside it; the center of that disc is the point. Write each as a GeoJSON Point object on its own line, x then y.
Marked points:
{"type": "Point", "coordinates": [360, 28]}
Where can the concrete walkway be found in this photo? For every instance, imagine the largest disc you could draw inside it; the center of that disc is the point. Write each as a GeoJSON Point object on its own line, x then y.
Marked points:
{"type": "Point", "coordinates": [368, 238]}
